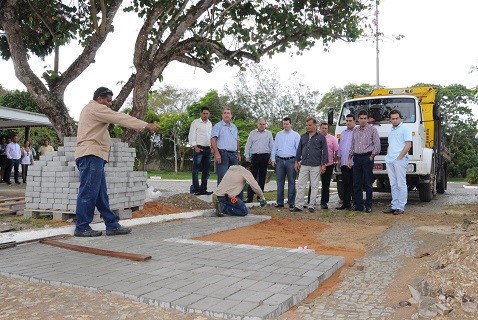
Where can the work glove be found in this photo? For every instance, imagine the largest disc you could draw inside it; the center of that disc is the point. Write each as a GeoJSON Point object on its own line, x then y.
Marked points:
{"type": "Point", "coordinates": [263, 202]}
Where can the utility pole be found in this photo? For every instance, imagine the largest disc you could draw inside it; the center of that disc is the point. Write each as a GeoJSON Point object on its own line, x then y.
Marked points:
{"type": "Point", "coordinates": [377, 63]}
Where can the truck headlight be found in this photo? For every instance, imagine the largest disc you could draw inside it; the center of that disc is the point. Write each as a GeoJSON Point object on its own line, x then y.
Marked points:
{"type": "Point", "coordinates": [411, 168]}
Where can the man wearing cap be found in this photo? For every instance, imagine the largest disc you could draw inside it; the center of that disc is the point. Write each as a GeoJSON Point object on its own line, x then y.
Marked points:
{"type": "Point", "coordinates": [93, 143]}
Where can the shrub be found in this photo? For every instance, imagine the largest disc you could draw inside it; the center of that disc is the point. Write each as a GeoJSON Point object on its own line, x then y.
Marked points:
{"type": "Point", "coordinates": [472, 175]}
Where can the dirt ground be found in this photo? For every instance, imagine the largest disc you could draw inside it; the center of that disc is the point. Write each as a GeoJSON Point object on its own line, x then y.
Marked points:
{"type": "Point", "coordinates": [447, 256]}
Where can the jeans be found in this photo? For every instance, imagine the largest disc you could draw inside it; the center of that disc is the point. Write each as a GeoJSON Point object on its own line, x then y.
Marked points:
{"type": "Point", "coordinates": [326, 177]}
{"type": "Point", "coordinates": [347, 182]}
{"type": "Point", "coordinates": [363, 176]}
{"type": "Point", "coordinates": [397, 173]}
{"type": "Point", "coordinates": [227, 159]}
{"type": "Point", "coordinates": [259, 163]}
{"type": "Point", "coordinates": [93, 193]}
{"type": "Point", "coordinates": [285, 168]}
{"type": "Point", "coordinates": [12, 163]}
{"type": "Point", "coordinates": [306, 174]}
{"type": "Point", "coordinates": [234, 209]}
{"type": "Point", "coordinates": [201, 161]}
{"type": "Point", "coordinates": [24, 172]}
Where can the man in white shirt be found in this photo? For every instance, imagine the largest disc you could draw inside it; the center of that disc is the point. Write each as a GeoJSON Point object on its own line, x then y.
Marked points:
{"type": "Point", "coordinates": [14, 154]}
{"type": "Point", "coordinates": [200, 140]}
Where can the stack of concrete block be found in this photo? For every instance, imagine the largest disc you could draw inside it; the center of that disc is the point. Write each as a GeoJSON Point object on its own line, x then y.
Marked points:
{"type": "Point", "coordinates": [53, 180]}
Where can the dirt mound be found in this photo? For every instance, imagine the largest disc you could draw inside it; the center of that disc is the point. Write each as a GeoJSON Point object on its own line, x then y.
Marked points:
{"type": "Point", "coordinates": [181, 202]}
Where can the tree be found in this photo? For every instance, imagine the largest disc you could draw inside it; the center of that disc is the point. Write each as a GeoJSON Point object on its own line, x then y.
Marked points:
{"type": "Point", "coordinates": [336, 96]}
{"type": "Point", "coordinates": [171, 99]}
{"type": "Point", "coordinates": [174, 126]}
{"type": "Point", "coordinates": [200, 34]}
{"type": "Point", "coordinates": [261, 94]}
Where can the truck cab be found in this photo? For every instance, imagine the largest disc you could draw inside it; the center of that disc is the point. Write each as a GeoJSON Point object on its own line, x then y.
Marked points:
{"type": "Point", "coordinates": [426, 171]}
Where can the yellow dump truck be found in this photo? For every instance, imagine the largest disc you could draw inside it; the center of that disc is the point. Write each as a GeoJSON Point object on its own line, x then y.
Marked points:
{"type": "Point", "coordinates": [428, 157]}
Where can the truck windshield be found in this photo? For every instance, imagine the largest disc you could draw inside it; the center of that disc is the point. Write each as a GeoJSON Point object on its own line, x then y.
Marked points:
{"type": "Point", "coordinates": [378, 109]}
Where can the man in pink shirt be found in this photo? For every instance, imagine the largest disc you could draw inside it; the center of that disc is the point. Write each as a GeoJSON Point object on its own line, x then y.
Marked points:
{"type": "Point", "coordinates": [332, 148]}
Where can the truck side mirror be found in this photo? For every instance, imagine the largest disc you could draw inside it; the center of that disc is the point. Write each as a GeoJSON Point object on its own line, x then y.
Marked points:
{"type": "Point", "coordinates": [330, 117]}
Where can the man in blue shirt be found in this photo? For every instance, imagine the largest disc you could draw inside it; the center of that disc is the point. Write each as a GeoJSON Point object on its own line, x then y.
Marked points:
{"type": "Point", "coordinates": [399, 143]}
{"type": "Point", "coordinates": [282, 158]}
{"type": "Point", "coordinates": [225, 144]}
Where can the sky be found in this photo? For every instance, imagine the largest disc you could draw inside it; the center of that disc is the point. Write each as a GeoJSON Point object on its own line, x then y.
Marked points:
{"type": "Point", "coordinates": [439, 47]}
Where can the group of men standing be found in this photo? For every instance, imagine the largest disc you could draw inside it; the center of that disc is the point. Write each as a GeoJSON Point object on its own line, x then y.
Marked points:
{"type": "Point", "coordinates": [312, 156]}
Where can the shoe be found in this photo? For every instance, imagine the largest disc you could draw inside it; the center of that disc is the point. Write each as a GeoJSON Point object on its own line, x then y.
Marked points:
{"type": "Point", "coordinates": [358, 209]}
{"type": "Point", "coordinates": [342, 207]}
{"type": "Point", "coordinates": [324, 206]}
{"type": "Point", "coordinates": [311, 210]}
{"type": "Point", "coordinates": [207, 193]}
{"type": "Point", "coordinates": [398, 211]}
{"type": "Point", "coordinates": [88, 233]}
{"type": "Point", "coordinates": [291, 206]}
{"type": "Point", "coordinates": [248, 201]}
{"type": "Point", "coordinates": [295, 209]}
{"type": "Point", "coordinates": [279, 205]}
{"type": "Point", "coordinates": [118, 231]}
{"type": "Point", "coordinates": [8, 182]}
{"type": "Point", "coordinates": [390, 210]}
{"type": "Point", "coordinates": [368, 210]}
{"type": "Point", "coordinates": [17, 182]}
{"type": "Point", "coordinates": [218, 210]}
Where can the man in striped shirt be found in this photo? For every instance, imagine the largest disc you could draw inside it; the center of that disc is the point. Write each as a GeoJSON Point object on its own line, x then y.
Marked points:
{"type": "Point", "coordinates": [365, 146]}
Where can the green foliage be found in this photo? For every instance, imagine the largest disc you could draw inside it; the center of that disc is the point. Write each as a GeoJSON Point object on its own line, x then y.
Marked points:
{"type": "Point", "coordinates": [472, 175]}
{"type": "Point", "coordinates": [336, 96]}
{"type": "Point", "coordinates": [19, 100]}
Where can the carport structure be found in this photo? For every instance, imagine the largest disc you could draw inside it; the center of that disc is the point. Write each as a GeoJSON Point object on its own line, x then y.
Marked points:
{"type": "Point", "coordinates": [15, 118]}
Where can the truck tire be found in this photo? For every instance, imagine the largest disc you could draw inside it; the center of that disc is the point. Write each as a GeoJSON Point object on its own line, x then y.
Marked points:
{"type": "Point", "coordinates": [442, 184]}
{"type": "Point", "coordinates": [340, 188]}
{"type": "Point", "coordinates": [425, 191]}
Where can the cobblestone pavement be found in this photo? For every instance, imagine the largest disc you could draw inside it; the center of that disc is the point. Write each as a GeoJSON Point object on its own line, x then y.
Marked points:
{"type": "Point", "coordinates": [361, 294]}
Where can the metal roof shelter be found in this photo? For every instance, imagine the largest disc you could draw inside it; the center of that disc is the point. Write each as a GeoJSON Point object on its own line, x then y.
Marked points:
{"type": "Point", "coordinates": [15, 118]}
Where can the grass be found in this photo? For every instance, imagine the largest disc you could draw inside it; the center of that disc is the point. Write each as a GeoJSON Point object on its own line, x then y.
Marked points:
{"type": "Point", "coordinates": [171, 175]}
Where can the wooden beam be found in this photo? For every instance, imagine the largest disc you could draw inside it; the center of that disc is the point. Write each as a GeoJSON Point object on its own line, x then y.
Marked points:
{"type": "Point", "coordinates": [101, 252]}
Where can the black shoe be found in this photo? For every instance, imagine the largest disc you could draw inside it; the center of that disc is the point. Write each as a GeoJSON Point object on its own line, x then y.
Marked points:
{"type": "Point", "coordinates": [17, 182]}
{"type": "Point", "coordinates": [279, 205]}
{"type": "Point", "coordinates": [295, 209]}
{"type": "Point", "coordinates": [324, 206]}
{"type": "Point", "coordinates": [358, 209]}
{"type": "Point", "coordinates": [8, 182]}
{"type": "Point", "coordinates": [398, 211]}
{"type": "Point", "coordinates": [248, 201]}
{"type": "Point", "coordinates": [368, 210]}
{"type": "Point", "coordinates": [291, 206]}
{"type": "Point", "coordinates": [342, 207]}
{"type": "Point", "coordinates": [88, 233]}
{"type": "Point", "coordinates": [311, 210]}
{"type": "Point", "coordinates": [389, 210]}
{"type": "Point", "coordinates": [118, 231]}
{"type": "Point", "coordinates": [218, 210]}
{"type": "Point", "coordinates": [207, 193]}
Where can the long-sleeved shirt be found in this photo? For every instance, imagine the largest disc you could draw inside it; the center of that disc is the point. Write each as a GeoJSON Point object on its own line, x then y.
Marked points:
{"type": "Point", "coordinates": [13, 151]}
{"type": "Point", "coordinates": [259, 142]}
{"type": "Point", "coordinates": [200, 133]}
{"type": "Point", "coordinates": [93, 137]}
{"type": "Point", "coordinates": [285, 144]}
{"type": "Point", "coordinates": [226, 134]}
{"type": "Point", "coordinates": [312, 150]}
{"type": "Point", "coordinates": [332, 148]}
{"type": "Point", "coordinates": [345, 144]}
{"type": "Point", "coordinates": [365, 140]}
{"type": "Point", "coordinates": [234, 180]}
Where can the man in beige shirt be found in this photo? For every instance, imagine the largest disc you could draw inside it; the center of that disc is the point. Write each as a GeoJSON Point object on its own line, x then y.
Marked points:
{"type": "Point", "coordinates": [93, 144]}
{"type": "Point", "coordinates": [229, 191]}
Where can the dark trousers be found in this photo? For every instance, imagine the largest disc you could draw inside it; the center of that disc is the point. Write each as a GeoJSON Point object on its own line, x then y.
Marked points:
{"type": "Point", "coordinates": [24, 172]}
{"type": "Point", "coordinates": [347, 182]}
{"type": "Point", "coordinates": [362, 175]}
{"type": "Point", "coordinates": [11, 163]}
{"type": "Point", "coordinates": [259, 163]}
{"type": "Point", "coordinates": [234, 209]}
{"type": "Point", "coordinates": [325, 178]}
{"type": "Point", "coordinates": [201, 162]}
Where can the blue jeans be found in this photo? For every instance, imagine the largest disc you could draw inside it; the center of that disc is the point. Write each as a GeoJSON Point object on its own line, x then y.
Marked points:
{"type": "Point", "coordinates": [93, 193]}
{"type": "Point", "coordinates": [363, 177]}
{"type": "Point", "coordinates": [234, 209]}
{"type": "Point", "coordinates": [285, 168]}
{"type": "Point", "coordinates": [201, 161]}
{"type": "Point", "coordinates": [397, 173]}
{"type": "Point", "coordinates": [227, 159]}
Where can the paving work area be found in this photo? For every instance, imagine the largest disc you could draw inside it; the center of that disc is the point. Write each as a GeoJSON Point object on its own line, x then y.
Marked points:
{"type": "Point", "coordinates": [215, 279]}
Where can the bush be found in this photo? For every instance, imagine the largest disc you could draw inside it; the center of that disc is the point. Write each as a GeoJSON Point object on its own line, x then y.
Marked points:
{"type": "Point", "coordinates": [472, 175]}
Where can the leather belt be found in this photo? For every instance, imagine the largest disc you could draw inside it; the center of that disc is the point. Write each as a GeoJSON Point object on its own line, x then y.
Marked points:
{"type": "Point", "coordinates": [287, 158]}
{"type": "Point", "coordinates": [363, 154]}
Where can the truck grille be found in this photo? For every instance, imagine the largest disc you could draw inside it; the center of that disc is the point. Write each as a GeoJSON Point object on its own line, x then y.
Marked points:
{"type": "Point", "coordinates": [384, 147]}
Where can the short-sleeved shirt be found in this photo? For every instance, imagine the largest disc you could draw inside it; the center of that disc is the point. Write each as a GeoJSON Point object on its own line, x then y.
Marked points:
{"type": "Point", "coordinates": [226, 134]}
{"type": "Point", "coordinates": [396, 141]}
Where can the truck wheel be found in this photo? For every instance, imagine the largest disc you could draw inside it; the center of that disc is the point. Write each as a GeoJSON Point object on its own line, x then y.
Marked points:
{"type": "Point", "coordinates": [442, 184]}
{"type": "Point", "coordinates": [340, 187]}
{"type": "Point", "coordinates": [425, 191]}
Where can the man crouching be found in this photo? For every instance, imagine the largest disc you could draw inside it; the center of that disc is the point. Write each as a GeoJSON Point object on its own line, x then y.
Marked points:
{"type": "Point", "coordinates": [229, 191]}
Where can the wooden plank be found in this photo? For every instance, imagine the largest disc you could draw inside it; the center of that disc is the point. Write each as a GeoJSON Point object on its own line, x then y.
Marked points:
{"type": "Point", "coordinates": [101, 252]}
{"type": "Point", "coordinates": [10, 203]}
{"type": "Point", "coordinates": [11, 199]}
{"type": "Point", "coordinates": [6, 245]}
